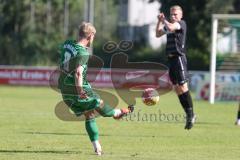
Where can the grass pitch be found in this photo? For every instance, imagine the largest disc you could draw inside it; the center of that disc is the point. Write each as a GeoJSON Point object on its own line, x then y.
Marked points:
{"type": "Point", "coordinates": [30, 130]}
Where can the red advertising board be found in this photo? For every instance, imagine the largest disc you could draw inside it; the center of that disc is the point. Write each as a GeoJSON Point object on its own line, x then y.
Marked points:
{"type": "Point", "coordinates": [24, 76]}
{"type": "Point", "coordinates": [117, 78]}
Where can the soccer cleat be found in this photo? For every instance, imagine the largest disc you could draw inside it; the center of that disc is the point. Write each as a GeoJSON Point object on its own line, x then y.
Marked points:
{"type": "Point", "coordinates": [98, 152]}
{"type": "Point", "coordinates": [237, 122]}
{"type": "Point", "coordinates": [189, 122]}
{"type": "Point", "coordinates": [131, 108]}
{"type": "Point", "coordinates": [124, 112]}
{"type": "Point", "coordinates": [97, 147]}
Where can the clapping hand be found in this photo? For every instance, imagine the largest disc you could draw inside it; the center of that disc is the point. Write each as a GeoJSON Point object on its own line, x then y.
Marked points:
{"type": "Point", "coordinates": [161, 17]}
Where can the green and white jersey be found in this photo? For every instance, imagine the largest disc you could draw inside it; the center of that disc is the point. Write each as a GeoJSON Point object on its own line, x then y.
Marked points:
{"type": "Point", "coordinates": [72, 55]}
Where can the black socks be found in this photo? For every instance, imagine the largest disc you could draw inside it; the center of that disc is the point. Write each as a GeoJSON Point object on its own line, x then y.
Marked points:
{"type": "Point", "coordinates": [186, 101]}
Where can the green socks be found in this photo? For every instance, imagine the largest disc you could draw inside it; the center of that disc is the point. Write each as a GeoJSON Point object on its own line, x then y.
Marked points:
{"type": "Point", "coordinates": [92, 129]}
{"type": "Point", "coordinates": [106, 111]}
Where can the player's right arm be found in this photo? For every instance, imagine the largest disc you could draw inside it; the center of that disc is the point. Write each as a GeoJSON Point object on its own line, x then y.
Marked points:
{"type": "Point", "coordinates": [79, 81]}
{"type": "Point", "coordinates": [160, 26]}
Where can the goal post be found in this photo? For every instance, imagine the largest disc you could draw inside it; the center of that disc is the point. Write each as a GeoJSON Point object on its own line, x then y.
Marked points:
{"type": "Point", "coordinates": [215, 19]}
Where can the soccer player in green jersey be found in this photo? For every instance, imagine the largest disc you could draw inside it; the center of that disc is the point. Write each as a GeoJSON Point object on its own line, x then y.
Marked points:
{"type": "Point", "coordinates": [76, 90]}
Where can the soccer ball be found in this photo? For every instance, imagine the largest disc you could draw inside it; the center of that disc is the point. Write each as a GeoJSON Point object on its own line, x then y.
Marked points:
{"type": "Point", "coordinates": [150, 96]}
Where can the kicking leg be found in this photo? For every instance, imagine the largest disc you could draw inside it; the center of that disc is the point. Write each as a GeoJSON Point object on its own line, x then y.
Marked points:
{"type": "Point", "coordinates": [107, 111]}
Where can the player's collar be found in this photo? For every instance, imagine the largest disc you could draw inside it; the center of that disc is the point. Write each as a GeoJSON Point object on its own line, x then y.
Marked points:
{"type": "Point", "coordinates": [82, 45]}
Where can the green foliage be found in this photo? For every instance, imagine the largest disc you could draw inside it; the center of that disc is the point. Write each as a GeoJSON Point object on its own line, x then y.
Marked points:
{"type": "Point", "coordinates": [198, 60]}
{"type": "Point", "coordinates": [30, 31]}
{"type": "Point", "coordinates": [146, 53]}
{"type": "Point", "coordinates": [138, 53]}
{"type": "Point", "coordinates": [105, 20]}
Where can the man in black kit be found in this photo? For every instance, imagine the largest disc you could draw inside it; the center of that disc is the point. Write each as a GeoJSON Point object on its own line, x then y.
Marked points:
{"type": "Point", "coordinates": [176, 36]}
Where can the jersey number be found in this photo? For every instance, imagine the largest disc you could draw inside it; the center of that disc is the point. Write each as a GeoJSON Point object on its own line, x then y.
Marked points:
{"type": "Point", "coordinates": [67, 57]}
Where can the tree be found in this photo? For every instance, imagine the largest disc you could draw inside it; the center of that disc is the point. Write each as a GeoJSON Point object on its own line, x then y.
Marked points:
{"type": "Point", "coordinates": [30, 31]}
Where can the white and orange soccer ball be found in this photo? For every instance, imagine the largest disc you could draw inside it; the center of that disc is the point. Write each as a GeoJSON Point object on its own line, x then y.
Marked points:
{"type": "Point", "coordinates": [150, 96]}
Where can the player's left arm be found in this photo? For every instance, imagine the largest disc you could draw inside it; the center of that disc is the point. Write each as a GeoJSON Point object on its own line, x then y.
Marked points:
{"type": "Point", "coordinates": [79, 82]}
{"type": "Point", "coordinates": [172, 26]}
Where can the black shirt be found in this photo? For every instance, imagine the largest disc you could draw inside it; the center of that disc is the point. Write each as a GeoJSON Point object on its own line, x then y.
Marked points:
{"type": "Point", "coordinates": [176, 40]}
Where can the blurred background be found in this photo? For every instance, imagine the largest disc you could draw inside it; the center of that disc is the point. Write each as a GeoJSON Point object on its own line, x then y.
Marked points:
{"type": "Point", "coordinates": [32, 30]}
{"type": "Point", "coordinates": [30, 124]}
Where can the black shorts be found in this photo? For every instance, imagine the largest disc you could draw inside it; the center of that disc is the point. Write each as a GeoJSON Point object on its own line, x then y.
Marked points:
{"type": "Point", "coordinates": [178, 70]}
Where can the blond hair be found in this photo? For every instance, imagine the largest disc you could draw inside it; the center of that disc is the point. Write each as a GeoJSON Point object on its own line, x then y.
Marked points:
{"type": "Point", "coordinates": [85, 30]}
{"type": "Point", "coordinates": [176, 7]}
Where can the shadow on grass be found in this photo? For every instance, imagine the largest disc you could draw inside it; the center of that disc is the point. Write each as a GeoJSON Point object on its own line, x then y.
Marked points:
{"type": "Point", "coordinates": [49, 133]}
{"type": "Point", "coordinates": [123, 135]}
{"type": "Point", "coordinates": [209, 123]}
{"type": "Point", "coordinates": [103, 135]}
{"type": "Point", "coordinates": [81, 134]}
{"type": "Point", "coordinates": [27, 151]}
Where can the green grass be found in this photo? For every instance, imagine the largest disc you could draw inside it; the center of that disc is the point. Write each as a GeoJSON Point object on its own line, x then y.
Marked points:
{"type": "Point", "coordinates": [29, 130]}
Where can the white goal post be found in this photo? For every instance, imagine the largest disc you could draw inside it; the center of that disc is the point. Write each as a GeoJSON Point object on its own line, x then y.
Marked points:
{"type": "Point", "coordinates": [215, 18]}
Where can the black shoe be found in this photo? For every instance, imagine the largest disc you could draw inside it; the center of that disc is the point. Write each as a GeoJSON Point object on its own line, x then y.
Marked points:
{"type": "Point", "coordinates": [131, 108]}
{"type": "Point", "coordinates": [189, 122]}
